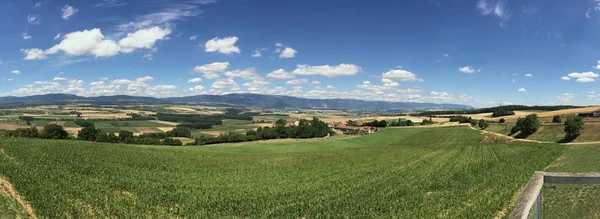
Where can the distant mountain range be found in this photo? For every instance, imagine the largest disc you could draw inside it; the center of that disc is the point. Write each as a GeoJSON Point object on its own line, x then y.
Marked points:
{"type": "Point", "coordinates": [245, 100]}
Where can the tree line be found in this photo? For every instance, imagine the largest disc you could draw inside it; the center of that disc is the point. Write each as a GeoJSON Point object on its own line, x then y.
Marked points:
{"type": "Point", "coordinates": [314, 128]}
{"type": "Point", "coordinates": [494, 109]}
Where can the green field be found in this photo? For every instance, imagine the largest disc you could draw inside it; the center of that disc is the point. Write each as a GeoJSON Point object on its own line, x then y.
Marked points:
{"type": "Point", "coordinates": [552, 133]}
{"type": "Point", "coordinates": [402, 173]}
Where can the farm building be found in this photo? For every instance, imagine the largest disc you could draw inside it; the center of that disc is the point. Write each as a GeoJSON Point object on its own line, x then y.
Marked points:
{"type": "Point", "coordinates": [292, 122]}
{"type": "Point", "coordinates": [368, 129]}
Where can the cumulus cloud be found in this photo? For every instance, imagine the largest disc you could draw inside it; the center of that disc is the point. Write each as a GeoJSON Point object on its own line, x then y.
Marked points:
{"type": "Point", "coordinates": [258, 52]}
{"type": "Point", "coordinates": [93, 42]}
{"type": "Point", "coordinates": [327, 70]}
{"type": "Point", "coordinates": [280, 74]}
{"type": "Point", "coordinates": [522, 90]}
{"type": "Point", "coordinates": [529, 75]}
{"type": "Point", "coordinates": [225, 45]}
{"type": "Point", "coordinates": [583, 77]}
{"type": "Point", "coordinates": [68, 11]}
{"type": "Point", "coordinates": [194, 37]}
{"type": "Point", "coordinates": [565, 98]}
{"type": "Point", "coordinates": [287, 53]}
{"type": "Point", "coordinates": [597, 65]}
{"type": "Point", "coordinates": [195, 80]}
{"type": "Point", "coordinates": [248, 73]}
{"type": "Point", "coordinates": [296, 81]}
{"type": "Point", "coordinates": [466, 69]}
{"type": "Point", "coordinates": [212, 70]}
{"type": "Point", "coordinates": [565, 78]}
{"type": "Point", "coordinates": [197, 88]}
{"type": "Point", "coordinates": [315, 82]}
{"type": "Point", "coordinates": [15, 72]}
{"type": "Point", "coordinates": [57, 36]}
{"type": "Point", "coordinates": [34, 54]}
{"type": "Point", "coordinates": [225, 83]}
{"type": "Point", "coordinates": [401, 74]}
{"type": "Point", "coordinates": [144, 38]}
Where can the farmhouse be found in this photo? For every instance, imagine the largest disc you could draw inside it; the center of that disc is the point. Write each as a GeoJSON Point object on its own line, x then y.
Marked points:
{"type": "Point", "coordinates": [368, 129]}
{"type": "Point", "coordinates": [291, 122]}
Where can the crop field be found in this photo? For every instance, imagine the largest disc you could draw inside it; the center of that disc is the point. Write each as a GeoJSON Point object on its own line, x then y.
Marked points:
{"type": "Point", "coordinates": [403, 173]}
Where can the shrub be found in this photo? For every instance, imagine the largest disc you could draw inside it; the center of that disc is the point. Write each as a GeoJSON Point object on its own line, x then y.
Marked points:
{"type": "Point", "coordinates": [556, 119]}
{"type": "Point", "coordinates": [527, 125]}
{"type": "Point", "coordinates": [502, 120]}
{"type": "Point", "coordinates": [88, 133]}
{"type": "Point", "coordinates": [54, 131]}
{"type": "Point", "coordinates": [483, 124]}
{"type": "Point", "coordinates": [173, 142]}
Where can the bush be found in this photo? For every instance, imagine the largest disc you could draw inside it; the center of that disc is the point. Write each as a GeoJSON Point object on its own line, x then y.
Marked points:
{"type": "Point", "coordinates": [483, 124]}
{"type": "Point", "coordinates": [474, 122]}
{"type": "Point", "coordinates": [173, 142]}
{"type": "Point", "coordinates": [31, 132]}
{"type": "Point", "coordinates": [556, 119]}
{"type": "Point", "coordinates": [180, 132]}
{"type": "Point", "coordinates": [502, 120]}
{"type": "Point", "coordinates": [89, 133]}
{"type": "Point", "coordinates": [125, 136]}
{"type": "Point", "coordinates": [427, 122]}
{"type": "Point", "coordinates": [460, 119]}
{"type": "Point", "coordinates": [573, 127]}
{"type": "Point", "coordinates": [53, 131]}
{"type": "Point", "coordinates": [84, 123]}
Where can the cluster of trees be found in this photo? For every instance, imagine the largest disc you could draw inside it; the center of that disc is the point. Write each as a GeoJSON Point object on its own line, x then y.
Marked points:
{"type": "Point", "coordinates": [494, 109]}
{"type": "Point", "coordinates": [427, 121]}
{"type": "Point", "coordinates": [314, 128]}
{"type": "Point", "coordinates": [483, 124]}
{"type": "Point", "coordinates": [460, 119]}
{"type": "Point", "coordinates": [402, 122]}
{"type": "Point", "coordinates": [376, 123]}
{"type": "Point", "coordinates": [502, 112]}
{"type": "Point", "coordinates": [191, 121]}
{"type": "Point", "coordinates": [50, 131]}
{"type": "Point", "coordinates": [92, 133]}
{"type": "Point", "coordinates": [84, 123]}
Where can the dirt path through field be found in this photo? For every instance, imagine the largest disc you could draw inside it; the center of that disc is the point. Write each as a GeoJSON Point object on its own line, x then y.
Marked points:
{"type": "Point", "coordinates": [7, 190]}
{"type": "Point", "coordinates": [535, 141]}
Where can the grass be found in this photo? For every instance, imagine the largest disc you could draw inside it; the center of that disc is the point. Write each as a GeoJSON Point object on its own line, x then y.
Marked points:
{"type": "Point", "coordinates": [401, 173]}
{"type": "Point", "coordinates": [551, 132]}
{"type": "Point", "coordinates": [233, 125]}
{"type": "Point", "coordinates": [573, 201]}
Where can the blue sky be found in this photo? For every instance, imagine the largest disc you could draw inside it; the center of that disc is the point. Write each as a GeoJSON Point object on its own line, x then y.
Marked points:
{"type": "Point", "coordinates": [479, 52]}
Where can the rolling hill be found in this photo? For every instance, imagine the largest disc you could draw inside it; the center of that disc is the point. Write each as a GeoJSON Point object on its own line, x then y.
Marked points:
{"type": "Point", "coordinates": [246, 100]}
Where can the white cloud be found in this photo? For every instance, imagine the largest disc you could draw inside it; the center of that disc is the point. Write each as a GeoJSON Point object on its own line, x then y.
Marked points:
{"type": "Point", "coordinates": [583, 77]}
{"type": "Point", "coordinates": [168, 15]}
{"type": "Point", "coordinates": [34, 54]}
{"type": "Point", "coordinates": [225, 45]}
{"type": "Point", "coordinates": [68, 11]}
{"type": "Point", "coordinates": [565, 98]}
{"type": "Point", "coordinates": [248, 73]}
{"type": "Point", "coordinates": [280, 74]}
{"type": "Point", "coordinates": [225, 83]}
{"type": "Point", "coordinates": [497, 8]}
{"type": "Point", "coordinates": [57, 36]}
{"type": "Point", "coordinates": [315, 82]}
{"type": "Point", "coordinates": [212, 70]}
{"type": "Point", "coordinates": [194, 37]}
{"type": "Point", "coordinates": [529, 75]}
{"type": "Point", "coordinates": [93, 42]}
{"type": "Point", "coordinates": [26, 36]}
{"type": "Point", "coordinates": [165, 87]}
{"type": "Point", "coordinates": [60, 79]}
{"type": "Point", "coordinates": [389, 82]}
{"type": "Point", "coordinates": [296, 81]}
{"type": "Point", "coordinates": [330, 87]}
{"type": "Point", "coordinates": [197, 88]}
{"type": "Point", "coordinates": [401, 74]}
{"type": "Point", "coordinates": [565, 78]}
{"type": "Point", "coordinates": [258, 52]}
{"type": "Point", "coordinates": [446, 55]}
{"type": "Point", "coordinates": [327, 70]}
{"type": "Point", "coordinates": [287, 53]}
{"type": "Point", "coordinates": [145, 38]}
{"type": "Point", "coordinates": [33, 19]}
{"type": "Point", "coordinates": [597, 65]}
{"type": "Point", "coordinates": [466, 69]}
{"type": "Point", "coordinates": [258, 85]}
{"type": "Point", "coordinates": [195, 80]}
{"type": "Point", "coordinates": [522, 90]}
{"type": "Point", "coordinates": [110, 3]}
{"type": "Point", "coordinates": [15, 72]}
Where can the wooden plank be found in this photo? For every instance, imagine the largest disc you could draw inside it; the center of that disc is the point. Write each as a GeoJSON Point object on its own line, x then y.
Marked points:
{"type": "Point", "coordinates": [571, 178]}
{"type": "Point", "coordinates": [528, 197]}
